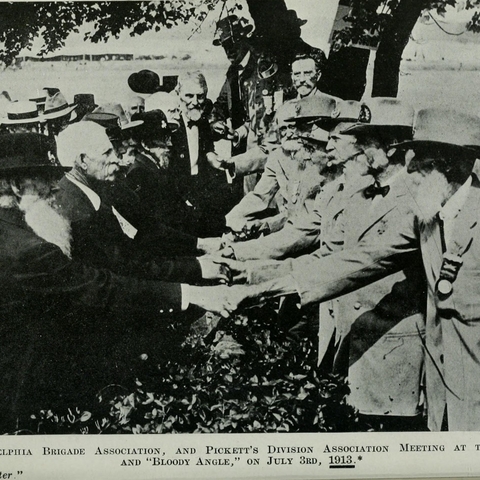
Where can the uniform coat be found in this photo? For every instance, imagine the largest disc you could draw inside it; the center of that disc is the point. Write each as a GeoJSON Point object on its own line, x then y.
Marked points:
{"type": "Point", "coordinates": [398, 240]}
{"type": "Point", "coordinates": [283, 186]}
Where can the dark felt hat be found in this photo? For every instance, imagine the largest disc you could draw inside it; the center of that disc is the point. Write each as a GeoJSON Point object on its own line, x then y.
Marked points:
{"type": "Point", "coordinates": [155, 125]}
{"type": "Point", "coordinates": [148, 82]}
{"type": "Point", "coordinates": [232, 28]}
{"type": "Point", "coordinates": [22, 152]}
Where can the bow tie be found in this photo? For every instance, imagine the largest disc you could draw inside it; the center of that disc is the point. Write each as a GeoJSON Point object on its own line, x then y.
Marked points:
{"type": "Point", "coordinates": [373, 190]}
{"type": "Point", "coordinates": [191, 124]}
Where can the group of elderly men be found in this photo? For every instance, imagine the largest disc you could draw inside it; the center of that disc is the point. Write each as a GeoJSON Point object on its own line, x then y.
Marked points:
{"type": "Point", "coordinates": [368, 209]}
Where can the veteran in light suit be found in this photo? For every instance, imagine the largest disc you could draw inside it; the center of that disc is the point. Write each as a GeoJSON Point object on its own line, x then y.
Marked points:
{"type": "Point", "coordinates": [435, 225]}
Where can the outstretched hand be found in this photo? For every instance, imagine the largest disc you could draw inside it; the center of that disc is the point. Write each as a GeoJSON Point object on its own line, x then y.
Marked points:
{"type": "Point", "coordinates": [221, 299]}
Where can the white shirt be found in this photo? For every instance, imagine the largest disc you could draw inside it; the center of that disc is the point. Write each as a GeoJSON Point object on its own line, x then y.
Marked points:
{"type": "Point", "coordinates": [452, 208]}
{"type": "Point", "coordinates": [193, 146]}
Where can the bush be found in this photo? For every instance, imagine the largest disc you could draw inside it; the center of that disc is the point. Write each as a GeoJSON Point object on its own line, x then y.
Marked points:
{"type": "Point", "coordinates": [245, 375]}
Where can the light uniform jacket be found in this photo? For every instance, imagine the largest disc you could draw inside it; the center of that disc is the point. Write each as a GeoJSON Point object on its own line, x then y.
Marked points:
{"type": "Point", "coordinates": [284, 176]}
{"type": "Point", "coordinates": [380, 328]}
{"type": "Point", "coordinates": [301, 233]}
{"type": "Point", "coordinates": [394, 242]}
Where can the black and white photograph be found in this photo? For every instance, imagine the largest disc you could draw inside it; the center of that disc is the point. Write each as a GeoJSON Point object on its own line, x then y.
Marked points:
{"type": "Point", "coordinates": [239, 217]}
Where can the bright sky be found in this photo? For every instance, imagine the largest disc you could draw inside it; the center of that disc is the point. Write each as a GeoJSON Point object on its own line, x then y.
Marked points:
{"type": "Point", "coordinates": [316, 32]}
{"type": "Point", "coordinates": [319, 13]}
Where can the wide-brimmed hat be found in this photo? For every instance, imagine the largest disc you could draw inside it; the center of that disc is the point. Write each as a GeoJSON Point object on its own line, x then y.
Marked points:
{"type": "Point", "coordinates": [21, 152]}
{"type": "Point", "coordinates": [383, 115]}
{"type": "Point", "coordinates": [22, 112]}
{"type": "Point", "coordinates": [232, 28]}
{"type": "Point", "coordinates": [316, 135]}
{"type": "Point", "coordinates": [56, 106]}
{"type": "Point", "coordinates": [124, 124]}
{"type": "Point", "coordinates": [436, 127]}
{"type": "Point", "coordinates": [148, 82]}
{"type": "Point", "coordinates": [346, 111]}
{"type": "Point", "coordinates": [314, 107]}
{"type": "Point", "coordinates": [292, 18]}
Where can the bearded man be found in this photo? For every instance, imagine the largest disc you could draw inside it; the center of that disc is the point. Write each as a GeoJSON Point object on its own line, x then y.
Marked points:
{"type": "Point", "coordinates": [204, 189]}
{"type": "Point", "coordinates": [444, 237]}
{"type": "Point", "coordinates": [289, 179]}
{"type": "Point", "coordinates": [64, 326]}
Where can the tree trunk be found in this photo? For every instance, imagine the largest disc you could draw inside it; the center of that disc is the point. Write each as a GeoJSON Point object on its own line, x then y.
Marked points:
{"type": "Point", "coordinates": [392, 43]}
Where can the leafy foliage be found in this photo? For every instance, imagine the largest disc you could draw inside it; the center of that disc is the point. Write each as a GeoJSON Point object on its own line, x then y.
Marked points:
{"type": "Point", "coordinates": [367, 19]}
{"type": "Point", "coordinates": [244, 376]}
{"type": "Point", "coordinates": [22, 22]}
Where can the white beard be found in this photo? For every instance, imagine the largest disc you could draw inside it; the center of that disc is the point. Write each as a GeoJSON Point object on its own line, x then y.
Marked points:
{"type": "Point", "coordinates": [46, 222]}
{"type": "Point", "coordinates": [432, 191]}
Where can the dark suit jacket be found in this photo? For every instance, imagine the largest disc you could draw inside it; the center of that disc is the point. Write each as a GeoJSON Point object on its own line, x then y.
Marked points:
{"type": "Point", "coordinates": [62, 323]}
{"type": "Point", "coordinates": [160, 199]}
{"type": "Point", "coordinates": [98, 240]}
{"type": "Point", "coordinates": [158, 237]}
{"type": "Point", "coordinates": [208, 193]}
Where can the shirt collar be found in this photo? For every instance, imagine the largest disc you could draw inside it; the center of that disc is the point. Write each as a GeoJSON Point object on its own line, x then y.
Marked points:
{"type": "Point", "coordinates": [244, 62]}
{"type": "Point", "coordinates": [92, 196]}
{"type": "Point", "coordinates": [456, 201]}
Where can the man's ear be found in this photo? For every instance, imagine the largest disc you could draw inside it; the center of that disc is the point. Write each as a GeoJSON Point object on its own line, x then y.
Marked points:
{"type": "Point", "coordinates": [81, 161]}
{"type": "Point", "coordinates": [14, 185]}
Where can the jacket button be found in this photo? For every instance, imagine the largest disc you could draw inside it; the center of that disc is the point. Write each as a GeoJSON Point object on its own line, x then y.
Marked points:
{"type": "Point", "coordinates": [357, 305]}
{"type": "Point", "coordinates": [182, 155]}
{"type": "Point", "coordinates": [170, 310]}
{"type": "Point", "coordinates": [161, 311]}
{"type": "Point", "coordinates": [441, 358]}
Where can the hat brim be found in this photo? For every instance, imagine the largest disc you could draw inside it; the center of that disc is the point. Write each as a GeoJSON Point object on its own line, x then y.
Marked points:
{"type": "Point", "coordinates": [32, 168]}
{"type": "Point", "coordinates": [404, 131]}
{"type": "Point", "coordinates": [315, 139]}
{"type": "Point", "coordinates": [22, 121]}
{"type": "Point", "coordinates": [328, 123]}
{"type": "Point", "coordinates": [307, 119]}
{"type": "Point", "coordinates": [412, 144]}
{"type": "Point", "coordinates": [60, 113]}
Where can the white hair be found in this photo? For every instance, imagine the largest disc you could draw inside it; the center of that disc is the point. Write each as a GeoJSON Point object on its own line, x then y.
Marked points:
{"type": "Point", "coordinates": [74, 141]}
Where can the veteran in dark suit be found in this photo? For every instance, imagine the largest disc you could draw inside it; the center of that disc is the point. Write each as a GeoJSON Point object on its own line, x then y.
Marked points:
{"type": "Point", "coordinates": [61, 320]}
{"type": "Point", "coordinates": [102, 236]}
{"type": "Point", "coordinates": [202, 187]}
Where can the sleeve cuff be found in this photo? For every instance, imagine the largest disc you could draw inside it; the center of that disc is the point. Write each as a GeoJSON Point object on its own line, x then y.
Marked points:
{"type": "Point", "coordinates": [185, 296]}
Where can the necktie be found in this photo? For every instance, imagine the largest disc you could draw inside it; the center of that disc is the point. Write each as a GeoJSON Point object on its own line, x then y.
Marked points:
{"type": "Point", "coordinates": [191, 124]}
{"type": "Point", "coordinates": [375, 189]}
